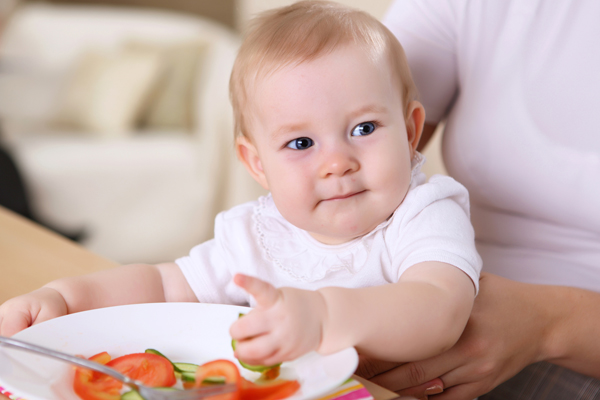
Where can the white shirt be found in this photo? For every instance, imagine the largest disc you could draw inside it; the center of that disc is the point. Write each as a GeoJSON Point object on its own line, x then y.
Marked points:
{"type": "Point", "coordinates": [519, 81]}
{"type": "Point", "coordinates": [431, 224]}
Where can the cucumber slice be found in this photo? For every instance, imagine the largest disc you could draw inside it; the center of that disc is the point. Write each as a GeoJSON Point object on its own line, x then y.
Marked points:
{"type": "Point", "coordinates": [185, 367]}
{"type": "Point", "coordinates": [190, 376]}
{"type": "Point", "coordinates": [188, 371]}
{"type": "Point", "coordinates": [158, 353]}
{"type": "Point", "coordinates": [134, 395]}
{"type": "Point", "coordinates": [131, 395]}
{"type": "Point", "coordinates": [214, 380]}
{"type": "Point", "coordinates": [255, 368]}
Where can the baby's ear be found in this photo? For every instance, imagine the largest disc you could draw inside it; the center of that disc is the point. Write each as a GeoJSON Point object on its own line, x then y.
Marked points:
{"type": "Point", "coordinates": [248, 155]}
{"type": "Point", "coordinates": [415, 118]}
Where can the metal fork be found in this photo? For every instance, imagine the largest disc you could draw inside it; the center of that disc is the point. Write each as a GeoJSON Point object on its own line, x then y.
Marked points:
{"type": "Point", "coordinates": [146, 392]}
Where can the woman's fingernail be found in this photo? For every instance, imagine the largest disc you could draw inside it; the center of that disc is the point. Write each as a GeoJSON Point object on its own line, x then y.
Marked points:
{"type": "Point", "coordinates": [435, 389]}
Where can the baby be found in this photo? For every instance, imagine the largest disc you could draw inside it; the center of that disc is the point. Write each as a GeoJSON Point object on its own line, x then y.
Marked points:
{"type": "Point", "coordinates": [353, 246]}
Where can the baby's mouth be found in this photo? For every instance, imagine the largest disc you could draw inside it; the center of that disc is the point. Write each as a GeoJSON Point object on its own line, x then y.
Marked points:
{"type": "Point", "coordinates": [344, 196]}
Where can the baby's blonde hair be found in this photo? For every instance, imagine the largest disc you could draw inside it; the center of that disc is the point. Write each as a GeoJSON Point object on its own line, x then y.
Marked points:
{"type": "Point", "coordinates": [305, 31]}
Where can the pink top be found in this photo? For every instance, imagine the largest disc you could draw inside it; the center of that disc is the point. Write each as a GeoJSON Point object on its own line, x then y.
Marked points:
{"type": "Point", "coordinates": [519, 83]}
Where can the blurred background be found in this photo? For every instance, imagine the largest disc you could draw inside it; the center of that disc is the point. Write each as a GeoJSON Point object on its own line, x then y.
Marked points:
{"type": "Point", "coordinates": [117, 118]}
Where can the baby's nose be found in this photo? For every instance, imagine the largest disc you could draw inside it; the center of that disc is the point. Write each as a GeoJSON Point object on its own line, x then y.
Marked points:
{"type": "Point", "coordinates": [338, 163]}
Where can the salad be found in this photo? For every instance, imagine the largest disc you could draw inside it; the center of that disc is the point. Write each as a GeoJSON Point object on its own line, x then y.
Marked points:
{"type": "Point", "coordinates": [155, 369]}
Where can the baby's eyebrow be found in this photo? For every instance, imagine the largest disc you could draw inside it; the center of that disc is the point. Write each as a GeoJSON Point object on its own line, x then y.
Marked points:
{"type": "Point", "coordinates": [369, 108]}
{"type": "Point", "coordinates": [282, 130]}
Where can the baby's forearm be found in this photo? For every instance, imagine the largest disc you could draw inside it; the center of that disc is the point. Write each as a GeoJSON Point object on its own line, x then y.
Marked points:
{"type": "Point", "coordinates": [405, 321]}
{"type": "Point", "coordinates": [128, 284]}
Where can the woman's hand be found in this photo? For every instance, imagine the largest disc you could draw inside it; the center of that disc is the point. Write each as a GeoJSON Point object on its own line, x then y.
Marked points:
{"type": "Point", "coordinates": [285, 324]}
{"type": "Point", "coordinates": [505, 333]}
{"type": "Point", "coordinates": [369, 367]}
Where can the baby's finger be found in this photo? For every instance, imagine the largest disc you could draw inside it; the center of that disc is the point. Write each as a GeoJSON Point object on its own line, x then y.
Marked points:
{"type": "Point", "coordinates": [15, 322]}
{"type": "Point", "coordinates": [259, 350]}
{"type": "Point", "coordinates": [253, 324]}
{"type": "Point", "coordinates": [264, 293]}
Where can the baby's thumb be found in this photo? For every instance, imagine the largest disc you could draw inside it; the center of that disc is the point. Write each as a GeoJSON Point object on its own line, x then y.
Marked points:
{"type": "Point", "coordinates": [263, 292]}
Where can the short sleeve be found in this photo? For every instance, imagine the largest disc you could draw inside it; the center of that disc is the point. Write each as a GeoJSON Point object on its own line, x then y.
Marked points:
{"type": "Point", "coordinates": [436, 227]}
{"type": "Point", "coordinates": [426, 30]}
{"type": "Point", "coordinates": [207, 270]}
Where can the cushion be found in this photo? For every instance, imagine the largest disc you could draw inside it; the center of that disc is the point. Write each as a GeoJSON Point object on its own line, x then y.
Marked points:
{"type": "Point", "coordinates": [107, 91]}
{"type": "Point", "coordinates": [171, 104]}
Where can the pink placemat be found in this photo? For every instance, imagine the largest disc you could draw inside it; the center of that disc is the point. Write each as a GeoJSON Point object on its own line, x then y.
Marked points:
{"type": "Point", "coordinates": [349, 390]}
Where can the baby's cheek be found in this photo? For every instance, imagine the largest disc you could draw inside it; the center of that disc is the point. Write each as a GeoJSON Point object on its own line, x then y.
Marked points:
{"type": "Point", "coordinates": [292, 204]}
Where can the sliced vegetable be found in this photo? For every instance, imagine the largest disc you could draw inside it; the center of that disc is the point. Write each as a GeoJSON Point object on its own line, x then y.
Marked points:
{"type": "Point", "coordinates": [275, 390]}
{"type": "Point", "coordinates": [258, 368]}
{"type": "Point", "coordinates": [188, 374]}
{"type": "Point", "coordinates": [91, 385]}
{"type": "Point", "coordinates": [185, 367]}
{"type": "Point", "coordinates": [154, 369]}
{"type": "Point", "coordinates": [134, 395]}
{"type": "Point", "coordinates": [158, 353]}
{"type": "Point", "coordinates": [255, 368]}
{"type": "Point", "coordinates": [150, 369]}
{"type": "Point", "coordinates": [131, 395]}
{"type": "Point", "coordinates": [271, 373]}
{"type": "Point", "coordinates": [220, 368]}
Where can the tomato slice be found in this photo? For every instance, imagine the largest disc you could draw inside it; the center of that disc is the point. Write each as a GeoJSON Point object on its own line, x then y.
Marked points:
{"type": "Point", "coordinates": [91, 385]}
{"type": "Point", "coordinates": [101, 358]}
{"type": "Point", "coordinates": [271, 373]}
{"type": "Point", "coordinates": [225, 369]}
{"type": "Point", "coordinates": [275, 390]}
{"type": "Point", "coordinates": [150, 369]}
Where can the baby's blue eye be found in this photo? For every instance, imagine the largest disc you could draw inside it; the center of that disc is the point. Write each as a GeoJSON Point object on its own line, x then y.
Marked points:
{"type": "Point", "coordinates": [363, 129]}
{"type": "Point", "coordinates": [302, 143]}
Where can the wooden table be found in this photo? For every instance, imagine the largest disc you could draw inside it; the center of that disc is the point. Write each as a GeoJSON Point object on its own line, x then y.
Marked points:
{"type": "Point", "coordinates": [31, 256]}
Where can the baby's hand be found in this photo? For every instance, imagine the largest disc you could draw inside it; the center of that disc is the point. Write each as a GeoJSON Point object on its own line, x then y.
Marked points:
{"type": "Point", "coordinates": [285, 324]}
{"type": "Point", "coordinates": [23, 311]}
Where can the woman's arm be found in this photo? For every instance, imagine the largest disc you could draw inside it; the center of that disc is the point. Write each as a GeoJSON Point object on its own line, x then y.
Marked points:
{"type": "Point", "coordinates": [512, 325]}
{"type": "Point", "coordinates": [573, 328]}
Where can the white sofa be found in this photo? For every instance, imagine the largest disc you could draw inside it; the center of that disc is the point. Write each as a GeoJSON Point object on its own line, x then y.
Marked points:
{"type": "Point", "coordinates": [139, 194]}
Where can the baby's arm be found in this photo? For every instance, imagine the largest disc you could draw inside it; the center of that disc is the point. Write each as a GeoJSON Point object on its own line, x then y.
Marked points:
{"type": "Point", "coordinates": [421, 315]}
{"type": "Point", "coordinates": [129, 284]}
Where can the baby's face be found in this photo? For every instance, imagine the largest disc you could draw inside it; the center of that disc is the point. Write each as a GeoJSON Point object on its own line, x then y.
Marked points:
{"type": "Point", "coordinates": [329, 140]}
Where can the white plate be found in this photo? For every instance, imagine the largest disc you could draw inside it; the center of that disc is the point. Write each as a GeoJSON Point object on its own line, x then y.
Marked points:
{"type": "Point", "coordinates": [184, 332]}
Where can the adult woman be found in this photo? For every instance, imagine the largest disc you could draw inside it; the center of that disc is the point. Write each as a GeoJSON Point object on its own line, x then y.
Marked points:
{"type": "Point", "coordinates": [517, 82]}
